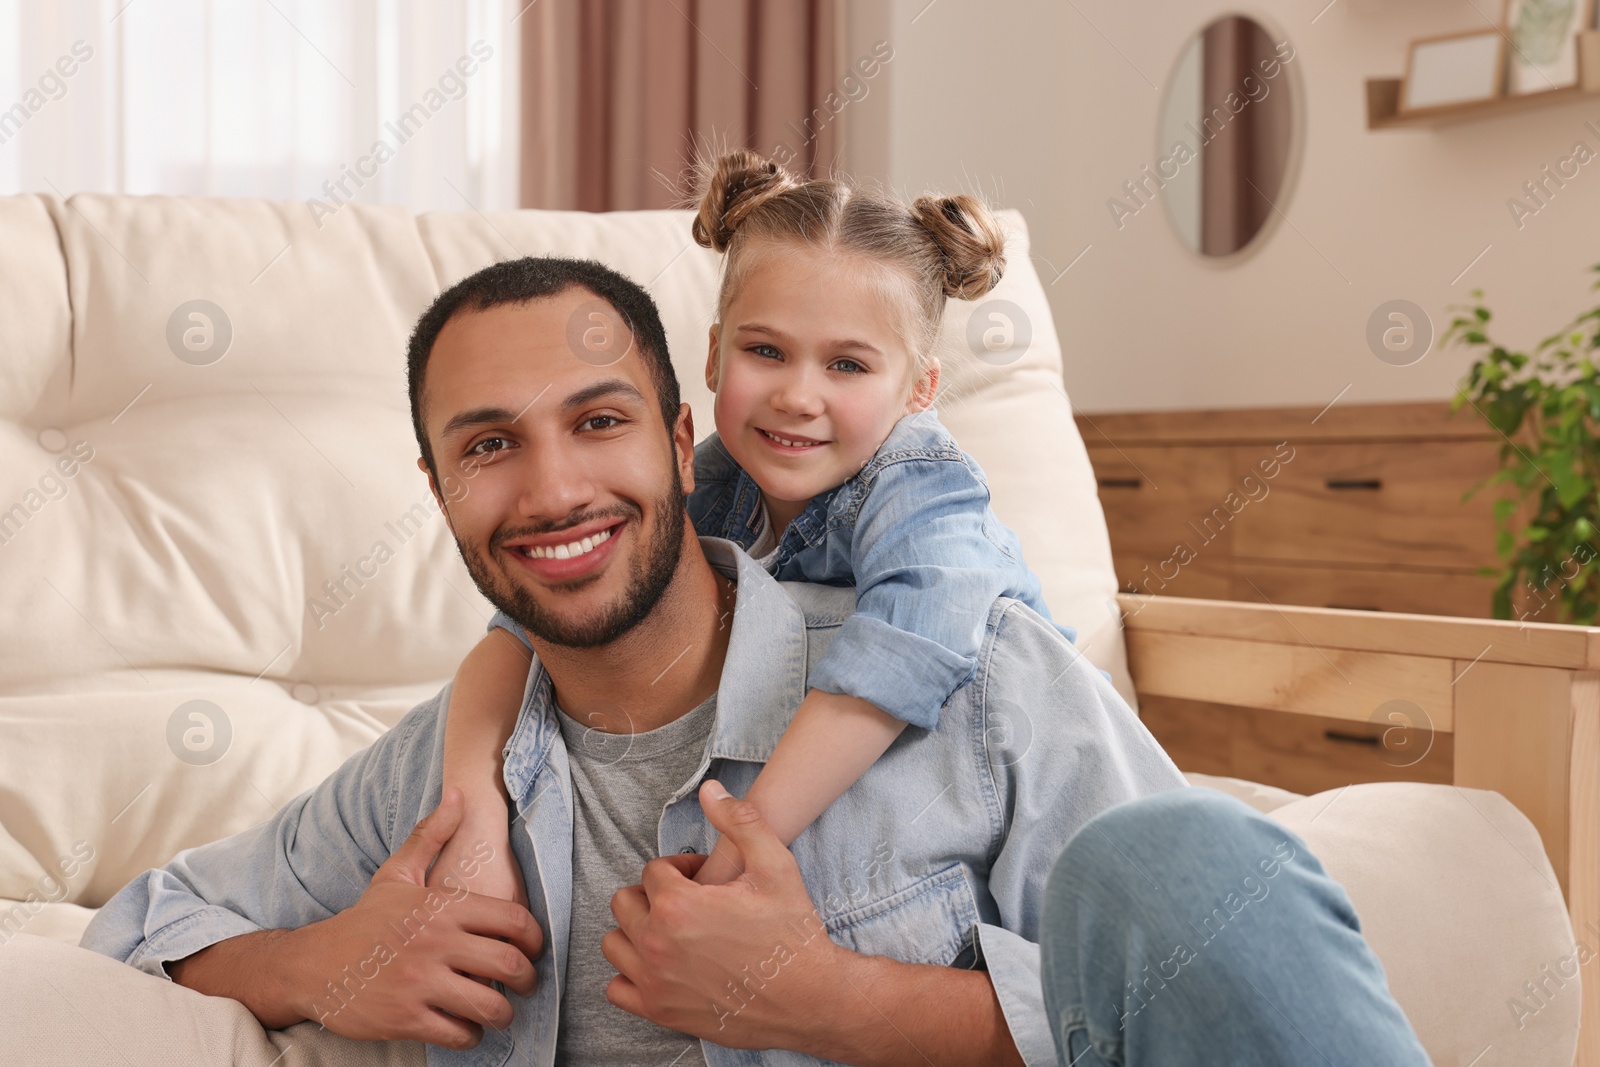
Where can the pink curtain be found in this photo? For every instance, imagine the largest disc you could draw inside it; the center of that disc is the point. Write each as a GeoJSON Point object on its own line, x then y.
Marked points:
{"type": "Point", "coordinates": [617, 95]}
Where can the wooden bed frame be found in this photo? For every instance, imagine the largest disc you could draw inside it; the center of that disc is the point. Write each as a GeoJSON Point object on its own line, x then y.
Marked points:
{"type": "Point", "coordinates": [1520, 700]}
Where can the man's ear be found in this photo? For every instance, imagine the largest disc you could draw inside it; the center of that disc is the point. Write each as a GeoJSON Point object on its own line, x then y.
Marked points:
{"type": "Point", "coordinates": [433, 486]}
{"type": "Point", "coordinates": [713, 361]}
{"type": "Point", "coordinates": [683, 442]}
{"type": "Point", "coordinates": [438, 498]}
{"type": "Point", "coordinates": [925, 389]}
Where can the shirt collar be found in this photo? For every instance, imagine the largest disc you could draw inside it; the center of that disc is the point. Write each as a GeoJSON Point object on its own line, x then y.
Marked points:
{"type": "Point", "coordinates": [763, 676]}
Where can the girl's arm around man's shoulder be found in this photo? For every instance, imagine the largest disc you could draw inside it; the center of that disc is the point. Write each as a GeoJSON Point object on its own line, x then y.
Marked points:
{"type": "Point", "coordinates": [928, 559]}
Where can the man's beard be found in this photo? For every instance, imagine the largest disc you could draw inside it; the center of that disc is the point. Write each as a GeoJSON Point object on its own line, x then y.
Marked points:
{"type": "Point", "coordinates": [652, 571]}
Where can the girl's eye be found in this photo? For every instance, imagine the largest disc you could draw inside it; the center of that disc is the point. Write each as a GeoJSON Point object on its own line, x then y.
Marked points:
{"type": "Point", "coordinates": [848, 366]}
{"type": "Point", "coordinates": [481, 449]}
{"type": "Point", "coordinates": [765, 351]}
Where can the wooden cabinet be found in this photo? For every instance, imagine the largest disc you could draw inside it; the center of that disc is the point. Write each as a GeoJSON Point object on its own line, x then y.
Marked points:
{"type": "Point", "coordinates": [1415, 592]}
{"type": "Point", "coordinates": [1383, 503]}
{"type": "Point", "coordinates": [1301, 753]}
{"type": "Point", "coordinates": [1354, 507]}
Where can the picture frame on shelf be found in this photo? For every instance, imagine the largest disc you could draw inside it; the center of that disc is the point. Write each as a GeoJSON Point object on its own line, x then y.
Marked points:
{"type": "Point", "coordinates": [1543, 55]}
{"type": "Point", "coordinates": [1454, 70]}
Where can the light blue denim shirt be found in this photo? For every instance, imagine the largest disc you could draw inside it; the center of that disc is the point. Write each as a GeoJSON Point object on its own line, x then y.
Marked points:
{"type": "Point", "coordinates": [914, 533]}
{"type": "Point", "coordinates": [937, 855]}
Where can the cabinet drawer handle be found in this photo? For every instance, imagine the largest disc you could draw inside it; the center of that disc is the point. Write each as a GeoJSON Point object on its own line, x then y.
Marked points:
{"type": "Point", "coordinates": [1355, 483]}
{"type": "Point", "coordinates": [1120, 483]}
{"type": "Point", "coordinates": [1355, 739]}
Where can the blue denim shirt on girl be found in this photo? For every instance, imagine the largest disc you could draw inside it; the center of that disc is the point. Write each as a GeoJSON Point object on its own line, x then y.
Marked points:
{"type": "Point", "coordinates": [913, 532]}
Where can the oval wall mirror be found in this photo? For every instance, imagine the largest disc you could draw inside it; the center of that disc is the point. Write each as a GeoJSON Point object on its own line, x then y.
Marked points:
{"type": "Point", "coordinates": [1226, 128]}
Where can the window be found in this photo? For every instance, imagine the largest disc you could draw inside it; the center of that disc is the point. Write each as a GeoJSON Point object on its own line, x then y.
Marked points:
{"type": "Point", "coordinates": [381, 101]}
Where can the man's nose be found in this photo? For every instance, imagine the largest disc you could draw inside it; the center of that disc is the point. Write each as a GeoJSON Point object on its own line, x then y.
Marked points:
{"type": "Point", "coordinates": [556, 484]}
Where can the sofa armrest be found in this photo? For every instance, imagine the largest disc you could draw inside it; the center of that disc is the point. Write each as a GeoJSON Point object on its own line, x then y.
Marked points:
{"type": "Point", "coordinates": [1522, 701]}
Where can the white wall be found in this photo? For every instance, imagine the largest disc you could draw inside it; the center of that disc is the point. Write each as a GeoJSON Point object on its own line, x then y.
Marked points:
{"type": "Point", "coordinates": [1050, 107]}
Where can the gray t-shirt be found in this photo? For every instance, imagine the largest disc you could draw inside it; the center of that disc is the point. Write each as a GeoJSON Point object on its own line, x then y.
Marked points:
{"type": "Point", "coordinates": [620, 784]}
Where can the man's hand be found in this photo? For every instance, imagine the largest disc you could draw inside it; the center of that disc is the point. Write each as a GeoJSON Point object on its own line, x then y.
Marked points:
{"type": "Point", "coordinates": [398, 965]}
{"type": "Point", "coordinates": [735, 964]}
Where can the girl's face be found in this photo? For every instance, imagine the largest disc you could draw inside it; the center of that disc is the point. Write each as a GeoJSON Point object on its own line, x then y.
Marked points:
{"type": "Point", "coordinates": [810, 372]}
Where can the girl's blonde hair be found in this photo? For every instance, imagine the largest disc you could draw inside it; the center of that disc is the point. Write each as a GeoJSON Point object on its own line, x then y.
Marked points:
{"type": "Point", "coordinates": [940, 246]}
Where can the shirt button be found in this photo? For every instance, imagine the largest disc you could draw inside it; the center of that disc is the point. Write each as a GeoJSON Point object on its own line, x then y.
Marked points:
{"type": "Point", "coordinates": [685, 851]}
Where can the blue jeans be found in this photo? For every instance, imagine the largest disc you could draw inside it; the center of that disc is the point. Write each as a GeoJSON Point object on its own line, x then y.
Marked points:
{"type": "Point", "coordinates": [1188, 928]}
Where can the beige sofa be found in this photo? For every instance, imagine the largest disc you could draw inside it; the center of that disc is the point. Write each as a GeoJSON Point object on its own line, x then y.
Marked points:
{"type": "Point", "coordinates": [223, 572]}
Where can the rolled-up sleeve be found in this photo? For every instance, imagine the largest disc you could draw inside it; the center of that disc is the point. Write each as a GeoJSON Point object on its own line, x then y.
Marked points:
{"type": "Point", "coordinates": [308, 862]}
{"type": "Point", "coordinates": [926, 574]}
{"type": "Point", "coordinates": [1013, 964]}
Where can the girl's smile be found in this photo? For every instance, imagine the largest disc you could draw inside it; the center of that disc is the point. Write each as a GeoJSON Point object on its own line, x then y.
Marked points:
{"type": "Point", "coordinates": [794, 443]}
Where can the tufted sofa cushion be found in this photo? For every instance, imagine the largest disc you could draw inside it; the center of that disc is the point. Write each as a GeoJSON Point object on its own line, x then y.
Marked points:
{"type": "Point", "coordinates": [222, 569]}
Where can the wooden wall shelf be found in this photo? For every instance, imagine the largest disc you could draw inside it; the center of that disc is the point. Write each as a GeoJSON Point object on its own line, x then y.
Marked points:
{"type": "Point", "coordinates": [1383, 96]}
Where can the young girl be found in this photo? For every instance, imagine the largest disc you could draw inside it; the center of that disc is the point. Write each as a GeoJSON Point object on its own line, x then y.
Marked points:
{"type": "Point", "coordinates": [828, 465]}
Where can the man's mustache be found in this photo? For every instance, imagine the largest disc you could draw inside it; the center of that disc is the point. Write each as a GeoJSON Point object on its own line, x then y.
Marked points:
{"type": "Point", "coordinates": [570, 522]}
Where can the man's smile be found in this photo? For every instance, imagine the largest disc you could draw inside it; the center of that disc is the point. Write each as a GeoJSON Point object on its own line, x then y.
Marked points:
{"type": "Point", "coordinates": [564, 551]}
{"type": "Point", "coordinates": [566, 555]}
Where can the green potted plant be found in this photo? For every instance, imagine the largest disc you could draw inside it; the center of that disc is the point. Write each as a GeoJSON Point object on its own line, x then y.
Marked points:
{"type": "Point", "coordinates": [1546, 404]}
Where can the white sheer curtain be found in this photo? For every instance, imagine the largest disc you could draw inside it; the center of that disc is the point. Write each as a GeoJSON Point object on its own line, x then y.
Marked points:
{"type": "Point", "coordinates": [382, 101]}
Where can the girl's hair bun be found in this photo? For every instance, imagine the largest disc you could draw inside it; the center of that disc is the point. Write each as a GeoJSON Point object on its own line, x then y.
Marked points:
{"type": "Point", "coordinates": [970, 239]}
{"type": "Point", "coordinates": [736, 185]}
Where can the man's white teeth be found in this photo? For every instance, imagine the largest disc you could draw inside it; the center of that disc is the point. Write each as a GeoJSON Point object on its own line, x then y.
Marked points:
{"type": "Point", "coordinates": [567, 551]}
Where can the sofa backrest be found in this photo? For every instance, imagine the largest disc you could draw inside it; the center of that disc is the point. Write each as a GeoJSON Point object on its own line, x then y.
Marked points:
{"type": "Point", "coordinates": [209, 503]}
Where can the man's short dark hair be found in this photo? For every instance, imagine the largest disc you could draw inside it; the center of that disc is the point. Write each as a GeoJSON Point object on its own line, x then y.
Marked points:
{"type": "Point", "coordinates": [518, 281]}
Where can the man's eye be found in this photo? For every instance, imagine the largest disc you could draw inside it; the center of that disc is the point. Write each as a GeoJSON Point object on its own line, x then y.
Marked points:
{"type": "Point", "coordinates": [482, 449]}
{"type": "Point", "coordinates": [601, 422]}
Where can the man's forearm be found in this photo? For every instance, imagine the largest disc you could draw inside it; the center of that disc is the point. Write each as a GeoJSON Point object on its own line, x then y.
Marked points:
{"type": "Point", "coordinates": [256, 969]}
{"type": "Point", "coordinates": [884, 1013]}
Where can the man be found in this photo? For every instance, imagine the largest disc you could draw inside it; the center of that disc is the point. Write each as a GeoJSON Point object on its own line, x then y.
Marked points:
{"type": "Point", "coordinates": [902, 927]}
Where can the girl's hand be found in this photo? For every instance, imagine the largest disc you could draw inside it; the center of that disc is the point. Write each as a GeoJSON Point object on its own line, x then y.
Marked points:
{"type": "Point", "coordinates": [724, 864]}
{"type": "Point", "coordinates": [478, 856]}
